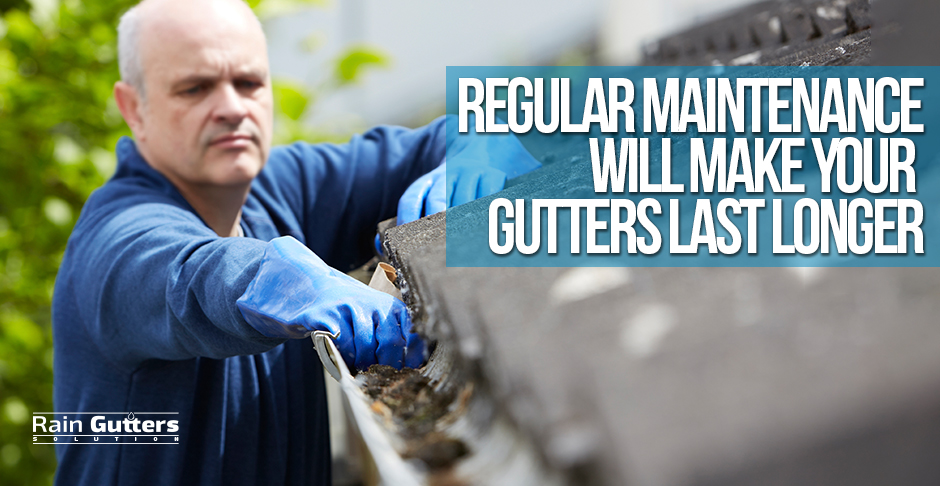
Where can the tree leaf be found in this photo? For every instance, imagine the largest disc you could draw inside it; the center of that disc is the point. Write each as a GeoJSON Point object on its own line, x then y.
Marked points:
{"type": "Point", "coordinates": [291, 98]}
{"type": "Point", "coordinates": [351, 64]}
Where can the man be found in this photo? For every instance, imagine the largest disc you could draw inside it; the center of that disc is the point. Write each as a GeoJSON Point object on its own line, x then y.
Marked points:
{"type": "Point", "coordinates": [193, 276]}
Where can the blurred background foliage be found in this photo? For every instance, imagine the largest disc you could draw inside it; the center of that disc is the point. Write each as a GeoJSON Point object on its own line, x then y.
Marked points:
{"type": "Point", "coordinates": [58, 129]}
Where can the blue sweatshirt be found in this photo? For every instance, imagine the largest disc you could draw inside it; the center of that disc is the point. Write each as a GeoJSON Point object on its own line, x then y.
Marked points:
{"type": "Point", "coordinates": [144, 315]}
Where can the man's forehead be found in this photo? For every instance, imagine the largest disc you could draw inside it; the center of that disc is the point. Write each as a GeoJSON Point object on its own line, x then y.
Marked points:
{"type": "Point", "coordinates": [207, 14]}
{"type": "Point", "coordinates": [176, 58]}
{"type": "Point", "coordinates": [198, 33]}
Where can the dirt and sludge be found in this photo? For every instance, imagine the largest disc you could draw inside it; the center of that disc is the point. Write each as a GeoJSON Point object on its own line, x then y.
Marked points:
{"type": "Point", "coordinates": [408, 401]}
{"type": "Point", "coordinates": [413, 407]}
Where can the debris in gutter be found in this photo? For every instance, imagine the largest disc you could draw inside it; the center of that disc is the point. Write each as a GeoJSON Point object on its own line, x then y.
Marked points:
{"type": "Point", "coordinates": [407, 399]}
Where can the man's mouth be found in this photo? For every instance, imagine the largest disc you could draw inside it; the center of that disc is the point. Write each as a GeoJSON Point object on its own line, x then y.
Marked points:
{"type": "Point", "coordinates": [232, 141]}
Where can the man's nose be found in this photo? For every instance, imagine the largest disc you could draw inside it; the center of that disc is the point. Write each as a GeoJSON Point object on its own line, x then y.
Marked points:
{"type": "Point", "coordinates": [230, 106]}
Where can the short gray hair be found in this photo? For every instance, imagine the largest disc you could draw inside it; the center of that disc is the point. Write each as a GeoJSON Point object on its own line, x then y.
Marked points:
{"type": "Point", "coordinates": [132, 70]}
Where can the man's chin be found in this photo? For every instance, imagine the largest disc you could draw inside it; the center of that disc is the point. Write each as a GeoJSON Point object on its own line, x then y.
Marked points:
{"type": "Point", "coordinates": [233, 168]}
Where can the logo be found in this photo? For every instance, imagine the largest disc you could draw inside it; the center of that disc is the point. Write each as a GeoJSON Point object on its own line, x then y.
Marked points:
{"type": "Point", "coordinates": [159, 428]}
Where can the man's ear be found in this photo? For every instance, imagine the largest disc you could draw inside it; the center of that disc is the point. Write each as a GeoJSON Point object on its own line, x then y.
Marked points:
{"type": "Point", "coordinates": [129, 102]}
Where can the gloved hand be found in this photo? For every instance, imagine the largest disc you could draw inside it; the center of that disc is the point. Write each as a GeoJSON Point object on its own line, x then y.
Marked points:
{"type": "Point", "coordinates": [295, 293]}
{"type": "Point", "coordinates": [462, 183]}
{"type": "Point", "coordinates": [478, 166]}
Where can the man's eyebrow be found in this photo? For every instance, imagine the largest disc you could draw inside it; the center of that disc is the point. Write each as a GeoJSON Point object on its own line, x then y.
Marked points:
{"type": "Point", "coordinates": [200, 79]}
{"type": "Point", "coordinates": [192, 81]}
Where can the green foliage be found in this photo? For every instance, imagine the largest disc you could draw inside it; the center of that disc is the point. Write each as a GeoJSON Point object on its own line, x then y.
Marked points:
{"type": "Point", "coordinates": [355, 59]}
{"type": "Point", "coordinates": [292, 98]}
{"type": "Point", "coordinates": [273, 8]}
{"type": "Point", "coordinates": [58, 128]}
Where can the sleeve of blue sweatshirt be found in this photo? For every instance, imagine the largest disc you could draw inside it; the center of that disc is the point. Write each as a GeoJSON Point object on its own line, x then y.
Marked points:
{"type": "Point", "coordinates": [151, 280]}
{"type": "Point", "coordinates": [350, 188]}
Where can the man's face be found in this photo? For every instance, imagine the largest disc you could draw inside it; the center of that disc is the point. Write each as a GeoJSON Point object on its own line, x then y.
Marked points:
{"type": "Point", "coordinates": [206, 118]}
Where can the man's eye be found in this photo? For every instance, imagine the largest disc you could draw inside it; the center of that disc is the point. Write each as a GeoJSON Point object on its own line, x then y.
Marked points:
{"type": "Point", "coordinates": [194, 90]}
{"type": "Point", "coordinates": [246, 84]}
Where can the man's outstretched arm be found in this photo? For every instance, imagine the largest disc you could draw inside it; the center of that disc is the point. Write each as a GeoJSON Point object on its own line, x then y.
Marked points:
{"type": "Point", "coordinates": [150, 280]}
{"type": "Point", "coordinates": [346, 190]}
{"type": "Point", "coordinates": [341, 192]}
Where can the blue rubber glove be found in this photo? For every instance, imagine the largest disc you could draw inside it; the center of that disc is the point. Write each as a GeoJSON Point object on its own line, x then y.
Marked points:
{"type": "Point", "coordinates": [479, 165]}
{"type": "Point", "coordinates": [462, 182]}
{"type": "Point", "coordinates": [295, 293]}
